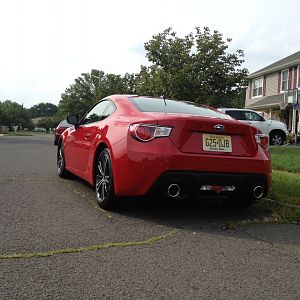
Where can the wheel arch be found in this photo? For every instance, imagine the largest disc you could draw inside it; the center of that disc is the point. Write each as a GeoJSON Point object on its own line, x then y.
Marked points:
{"type": "Point", "coordinates": [278, 131]}
{"type": "Point", "coordinates": [100, 147]}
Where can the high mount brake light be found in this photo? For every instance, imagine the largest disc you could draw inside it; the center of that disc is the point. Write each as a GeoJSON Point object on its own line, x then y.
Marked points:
{"type": "Point", "coordinates": [263, 140]}
{"type": "Point", "coordinates": [146, 133]}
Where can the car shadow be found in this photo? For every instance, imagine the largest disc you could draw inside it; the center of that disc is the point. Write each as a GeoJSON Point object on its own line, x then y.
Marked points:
{"type": "Point", "coordinates": [201, 215]}
{"type": "Point", "coordinates": [188, 213]}
{"type": "Point", "coordinates": [183, 213]}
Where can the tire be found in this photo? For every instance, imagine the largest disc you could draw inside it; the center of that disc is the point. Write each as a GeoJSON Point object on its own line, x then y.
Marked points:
{"type": "Point", "coordinates": [56, 141]}
{"type": "Point", "coordinates": [277, 138]}
{"type": "Point", "coordinates": [104, 184]}
{"type": "Point", "coordinates": [61, 165]}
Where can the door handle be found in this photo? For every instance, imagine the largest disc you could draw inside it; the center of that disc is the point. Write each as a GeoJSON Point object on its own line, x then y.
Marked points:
{"type": "Point", "coordinates": [87, 135]}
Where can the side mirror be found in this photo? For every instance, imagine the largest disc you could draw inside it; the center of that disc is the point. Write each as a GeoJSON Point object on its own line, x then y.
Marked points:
{"type": "Point", "coordinates": [73, 119]}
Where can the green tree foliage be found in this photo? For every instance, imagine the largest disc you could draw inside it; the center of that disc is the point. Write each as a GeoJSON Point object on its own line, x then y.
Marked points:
{"type": "Point", "coordinates": [48, 122]}
{"type": "Point", "coordinates": [2, 114]}
{"type": "Point", "coordinates": [79, 96]}
{"type": "Point", "coordinates": [43, 110]}
{"type": "Point", "coordinates": [197, 67]}
{"type": "Point", "coordinates": [91, 87]}
{"type": "Point", "coordinates": [14, 114]}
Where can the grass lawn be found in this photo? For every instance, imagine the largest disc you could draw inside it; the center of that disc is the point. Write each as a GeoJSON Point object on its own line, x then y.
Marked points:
{"type": "Point", "coordinates": [285, 183]}
{"type": "Point", "coordinates": [286, 158]}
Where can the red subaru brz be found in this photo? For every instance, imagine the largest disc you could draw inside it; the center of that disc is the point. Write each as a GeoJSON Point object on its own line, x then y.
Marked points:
{"type": "Point", "coordinates": [132, 145]}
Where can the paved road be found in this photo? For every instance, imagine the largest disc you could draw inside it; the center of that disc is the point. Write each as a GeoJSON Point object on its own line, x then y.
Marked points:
{"type": "Point", "coordinates": [145, 250]}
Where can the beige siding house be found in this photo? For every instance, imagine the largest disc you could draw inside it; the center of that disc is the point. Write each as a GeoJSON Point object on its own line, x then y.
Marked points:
{"type": "Point", "coordinates": [275, 90]}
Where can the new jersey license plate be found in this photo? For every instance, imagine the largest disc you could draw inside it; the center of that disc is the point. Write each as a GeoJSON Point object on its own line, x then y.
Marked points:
{"type": "Point", "coordinates": [216, 142]}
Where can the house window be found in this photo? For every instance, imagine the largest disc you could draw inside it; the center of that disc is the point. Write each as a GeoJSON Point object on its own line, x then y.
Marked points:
{"type": "Point", "coordinates": [257, 87]}
{"type": "Point", "coordinates": [284, 80]}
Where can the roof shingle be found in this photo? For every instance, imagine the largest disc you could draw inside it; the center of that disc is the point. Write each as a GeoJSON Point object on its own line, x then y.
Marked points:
{"type": "Point", "coordinates": [290, 60]}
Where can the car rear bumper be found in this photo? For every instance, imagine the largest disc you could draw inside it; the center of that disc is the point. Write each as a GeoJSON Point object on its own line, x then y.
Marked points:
{"type": "Point", "coordinates": [203, 183]}
{"type": "Point", "coordinates": [145, 165]}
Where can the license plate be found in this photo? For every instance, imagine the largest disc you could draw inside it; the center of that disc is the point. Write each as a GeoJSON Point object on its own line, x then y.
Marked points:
{"type": "Point", "coordinates": [218, 143]}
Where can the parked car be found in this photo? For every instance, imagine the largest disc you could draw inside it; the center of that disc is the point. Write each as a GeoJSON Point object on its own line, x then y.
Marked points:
{"type": "Point", "coordinates": [134, 145]}
{"type": "Point", "coordinates": [39, 129]}
{"type": "Point", "coordinates": [61, 127]}
{"type": "Point", "coordinates": [276, 130]}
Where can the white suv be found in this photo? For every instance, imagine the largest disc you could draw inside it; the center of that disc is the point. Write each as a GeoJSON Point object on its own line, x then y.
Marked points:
{"type": "Point", "coordinates": [276, 130]}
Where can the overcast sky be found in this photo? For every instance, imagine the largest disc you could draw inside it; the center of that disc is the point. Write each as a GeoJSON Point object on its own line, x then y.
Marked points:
{"type": "Point", "coordinates": [45, 44]}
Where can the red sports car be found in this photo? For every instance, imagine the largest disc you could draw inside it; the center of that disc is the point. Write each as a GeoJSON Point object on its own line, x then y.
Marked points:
{"type": "Point", "coordinates": [134, 145]}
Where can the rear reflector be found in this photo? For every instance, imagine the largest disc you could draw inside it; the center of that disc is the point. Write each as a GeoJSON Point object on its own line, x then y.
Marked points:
{"type": "Point", "coordinates": [146, 133]}
{"type": "Point", "coordinates": [263, 140]}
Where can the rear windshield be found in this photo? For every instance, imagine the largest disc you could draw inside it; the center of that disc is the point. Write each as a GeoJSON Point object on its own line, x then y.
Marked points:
{"type": "Point", "coordinates": [174, 106]}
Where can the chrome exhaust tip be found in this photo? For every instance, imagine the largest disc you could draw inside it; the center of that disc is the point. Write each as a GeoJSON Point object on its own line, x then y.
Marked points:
{"type": "Point", "coordinates": [174, 190]}
{"type": "Point", "coordinates": [258, 192]}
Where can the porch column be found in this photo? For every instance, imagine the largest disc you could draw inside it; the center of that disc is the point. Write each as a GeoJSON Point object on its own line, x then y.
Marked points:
{"type": "Point", "coordinates": [290, 119]}
{"type": "Point", "coordinates": [298, 129]}
{"type": "Point", "coordinates": [271, 113]}
{"type": "Point", "coordinates": [294, 121]}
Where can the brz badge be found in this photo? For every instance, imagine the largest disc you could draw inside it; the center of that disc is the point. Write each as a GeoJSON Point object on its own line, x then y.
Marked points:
{"type": "Point", "coordinates": [219, 127]}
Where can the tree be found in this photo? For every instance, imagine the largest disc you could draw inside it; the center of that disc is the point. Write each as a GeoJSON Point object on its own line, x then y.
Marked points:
{"type": "Point", "coordinates": [91, 87]}
{"type": "Point", "coordinates": [196, 67]}
{"type": "Point", "coordinates": [48, 122]}
{"type": "Point", "coordinates": [2, 114]}
{"type": "Point", "coordinates": [14, 114]}
{"type": "Point", "coordinates": [43, 110]}
{"type": "Point", "coordinates": [79, 96]}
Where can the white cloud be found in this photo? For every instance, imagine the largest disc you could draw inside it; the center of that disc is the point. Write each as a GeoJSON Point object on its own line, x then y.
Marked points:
{"type": "Point", "coordinates": [45, 44]}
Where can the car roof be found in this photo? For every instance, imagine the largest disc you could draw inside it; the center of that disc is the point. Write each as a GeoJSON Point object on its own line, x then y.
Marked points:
{"type": "Point", "coordinates": [238, 109]}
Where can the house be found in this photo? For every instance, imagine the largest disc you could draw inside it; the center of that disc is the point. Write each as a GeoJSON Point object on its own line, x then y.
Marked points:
{"type": "Point", "coordinates": [275, 90]}
{"type": "Point", "coordinates": [36, 120]}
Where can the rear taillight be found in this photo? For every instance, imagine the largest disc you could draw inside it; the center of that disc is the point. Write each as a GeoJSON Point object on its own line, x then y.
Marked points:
{"type": "Point", "coordinates": [146, 133]}
{"type": "Point", "coordinates": [263, 140]}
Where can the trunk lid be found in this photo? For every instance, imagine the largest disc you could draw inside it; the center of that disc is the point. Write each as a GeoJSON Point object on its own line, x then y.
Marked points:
{"type": "Point", "coordinates": [204, 135]}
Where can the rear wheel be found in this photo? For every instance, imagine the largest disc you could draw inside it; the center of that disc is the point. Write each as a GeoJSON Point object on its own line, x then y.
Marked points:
{"type": "Point", "coordinates": [277, 138]}
{"type": "Point", "coordinates": [104, 184]}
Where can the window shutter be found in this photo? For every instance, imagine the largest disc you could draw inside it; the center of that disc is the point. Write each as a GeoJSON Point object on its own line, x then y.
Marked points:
{"type": "Point", "coordinates": [250, 89]}
{"type": "Point", "coordinates": [295, 76]}
{"type": "Point", "coordinates": [290, 79]}
{"type": "Point", "coordinates": [264, 86]}
{"type": "Point", "coordinates": [279, 82]}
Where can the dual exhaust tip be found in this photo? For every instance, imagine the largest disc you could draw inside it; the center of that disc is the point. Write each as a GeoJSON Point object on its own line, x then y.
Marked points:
{"type": "Point", "coordinates": [258, 192]}
{"type": "Point", "coordinates": [174, 191]}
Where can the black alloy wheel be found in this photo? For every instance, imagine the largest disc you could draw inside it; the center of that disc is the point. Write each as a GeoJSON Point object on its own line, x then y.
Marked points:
{"type": "Point", "coordinates": [104, 181]}
{"type": "Point", "coordinates": [277, 139]}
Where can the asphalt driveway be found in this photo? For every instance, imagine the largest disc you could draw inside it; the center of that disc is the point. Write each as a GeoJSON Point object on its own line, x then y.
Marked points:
{"type": "Point", "coordinates": [56, 243]}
